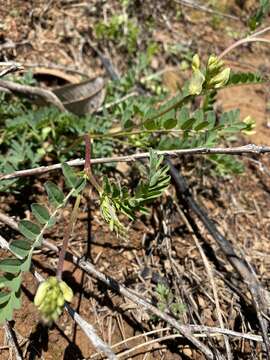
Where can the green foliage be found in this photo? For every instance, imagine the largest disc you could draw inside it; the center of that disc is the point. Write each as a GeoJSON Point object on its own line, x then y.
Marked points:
{"type": "Point", "coordinates": [245, 78]}
{"type": "Point", "coordinates": [12, 268]}
{"type": "Point", "coordinates": [120, 29]}
{"type": "Point", "coordinates": [50, 298]}
{"type": "Point", "coordinates": [166, 301]}
{"type": "Point", "coordinates": [29, 135]}
{"type": "Point", "coordinates": [256, 19]}
{"type": "Point", "coordinates": [115, 199]}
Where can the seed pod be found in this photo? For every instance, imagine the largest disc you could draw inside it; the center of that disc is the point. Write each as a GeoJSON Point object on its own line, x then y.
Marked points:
{"type": "Point", "coordinates": [41, 293]}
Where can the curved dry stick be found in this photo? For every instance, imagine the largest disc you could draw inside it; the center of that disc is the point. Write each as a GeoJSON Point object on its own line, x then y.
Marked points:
{"type": "Point", "coordinates": [241, 42]}
{"type": "Point", "coordinates": [237, 150]}
{"type": "Point", "coordinates": [27, 90]}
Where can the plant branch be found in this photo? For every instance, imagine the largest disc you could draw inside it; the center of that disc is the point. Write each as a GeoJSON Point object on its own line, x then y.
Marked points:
{"type": "Point", "coordinates": [87, 164]}
{"type": "Point", "coordinates": [238, 150]}
{"type": "Point", "coordinates": [251, 38]}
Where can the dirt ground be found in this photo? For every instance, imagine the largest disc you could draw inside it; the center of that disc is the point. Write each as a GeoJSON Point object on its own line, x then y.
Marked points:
{"type": "Point", "coordinates": [46, 32]}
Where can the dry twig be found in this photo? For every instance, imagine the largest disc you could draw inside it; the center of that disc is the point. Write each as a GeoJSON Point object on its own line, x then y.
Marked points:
{"type": "Point", "coordinates": [27, 90]}
{"type": "Point", "coordinates": [237, 150]}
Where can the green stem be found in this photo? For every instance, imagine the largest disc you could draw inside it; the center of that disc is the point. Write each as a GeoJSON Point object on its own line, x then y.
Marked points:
{"type": "Point", "coordinates": [67, 235]}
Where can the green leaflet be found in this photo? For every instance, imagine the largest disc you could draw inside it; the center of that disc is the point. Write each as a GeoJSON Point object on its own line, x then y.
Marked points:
{"type": "Point", "coordinates": [116, 199]}
{"type": "Point", "coordinates": [10, 265]}
{"type": "Point", "coordinates": [55, 195]}
{"type": "Point", "coordinates": [41, 213]}
{"type": "Point", "coordinates": [71, 178]}
{"type": "Point", "coordinates": [20, 248]}
{"type": "Point", "coordinates": [239, 78]}
{"type": "Point", "coordinates": [29, 229]}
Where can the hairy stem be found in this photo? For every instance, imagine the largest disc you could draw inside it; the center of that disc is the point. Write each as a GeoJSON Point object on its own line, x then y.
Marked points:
{"type": "Point", "coordinates": [87, 164]}
{"type": "Point", "coordinates": [67, 235]}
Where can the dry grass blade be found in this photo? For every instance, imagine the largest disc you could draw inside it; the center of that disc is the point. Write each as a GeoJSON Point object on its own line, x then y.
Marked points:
{"type": "Point", "coordinates": [211, 277]}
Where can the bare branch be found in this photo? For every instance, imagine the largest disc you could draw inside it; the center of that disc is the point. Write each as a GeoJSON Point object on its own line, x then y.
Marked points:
{"type": "Point", "coordinates": [196, 6]}
{"type": "Point", "coordinates": [10, 69]}
{"type": "Point", "coordinates": [238, 150]}
{"type": "Point", "coordinates": [27, 90]}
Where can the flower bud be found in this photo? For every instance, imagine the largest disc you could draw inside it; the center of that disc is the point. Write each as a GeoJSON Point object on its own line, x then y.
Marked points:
{"type": "Point", "coordinates": [195, 62]}
{"type": "Point", "coordinates": [50, 298]}
{"type": "Point", "coordinates": [52, 280]}
{"type": "Point", "coordinates": [60, 300]}
{"type": "Point", "coordinates": [196, 83]}
{"type": "Point", "coordinates": [41, 293]}
{"type": "Point", "coordinates": [220, 79]}
{"type": "Point", "coordinates": [66, 290]}
{"type": "Point", "coordinates": [214, 65]}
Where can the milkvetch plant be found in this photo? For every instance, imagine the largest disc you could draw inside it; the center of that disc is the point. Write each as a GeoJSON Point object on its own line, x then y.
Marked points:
{"type": "Point", "coordinates": [146, 123]}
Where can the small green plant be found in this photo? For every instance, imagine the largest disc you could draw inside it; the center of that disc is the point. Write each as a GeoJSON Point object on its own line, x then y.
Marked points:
{"type": "Point", "coordinates": [166, 301]}
{"type": "Point", "coordinates": [262, 11]}
{"type": "Point", "coordinates": [115, 198]}
{"type": "Point", "coordinates": [121, 29]}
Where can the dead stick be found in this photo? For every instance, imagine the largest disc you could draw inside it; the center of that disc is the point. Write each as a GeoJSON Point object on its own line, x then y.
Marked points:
{"type": "Point", "coordinates": [46, 95]}
{"type": "Point", "coordinates": [238, 150]}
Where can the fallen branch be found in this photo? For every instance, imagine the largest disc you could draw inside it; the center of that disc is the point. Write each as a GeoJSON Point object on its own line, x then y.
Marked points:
{"type": "Point", "coordinates": [237, 150]}
{"type": "Point", "coordinates": [27, 90]}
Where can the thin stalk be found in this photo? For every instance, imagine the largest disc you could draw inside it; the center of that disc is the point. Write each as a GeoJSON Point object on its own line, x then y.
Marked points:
{"type": "Point", "coordinates": [87, 164]}
{"type": "Point", "coordinates": [67, 235]}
